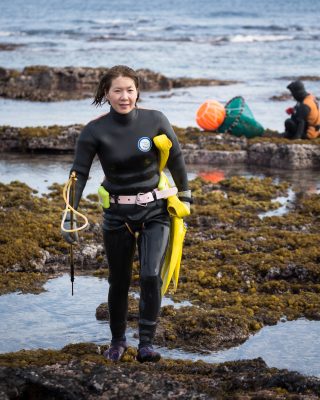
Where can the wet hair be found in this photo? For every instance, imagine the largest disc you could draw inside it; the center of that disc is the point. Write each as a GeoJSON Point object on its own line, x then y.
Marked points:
{"type": "Point", "coordinates": [106, 82]}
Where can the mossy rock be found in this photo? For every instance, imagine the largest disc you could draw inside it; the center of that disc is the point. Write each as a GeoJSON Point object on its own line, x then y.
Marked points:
{"type": "Point", "coordinates": [30, 132]}
{"type": "Point", "coordinates": [30, 227]}
{"type": "Point", "coordinates": [240, 270]}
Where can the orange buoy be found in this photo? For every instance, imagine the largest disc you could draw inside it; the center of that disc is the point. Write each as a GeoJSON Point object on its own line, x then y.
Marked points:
{"type": "Point", "coordinates": [212, 176]}
{"type": "Point", "coordinates": [210, 115]}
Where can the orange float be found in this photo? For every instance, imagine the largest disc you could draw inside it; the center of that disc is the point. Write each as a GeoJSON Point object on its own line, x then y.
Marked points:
{"type": "Point", "coordinates": [212, 176]}
{"type": "Point", "coordinates": [210, 115]}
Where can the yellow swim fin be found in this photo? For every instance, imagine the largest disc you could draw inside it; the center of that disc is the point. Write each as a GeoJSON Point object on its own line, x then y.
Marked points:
{"type": "Point", "coordinates": [171, 268]}
{"type": "Point", "coordinates": [163, 144]}
{"type": "Point", "coordinates": [177, 210]}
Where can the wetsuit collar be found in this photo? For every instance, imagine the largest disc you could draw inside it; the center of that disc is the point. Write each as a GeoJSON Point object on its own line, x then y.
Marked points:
{"type": "Point", "coordinates": [123, 118]}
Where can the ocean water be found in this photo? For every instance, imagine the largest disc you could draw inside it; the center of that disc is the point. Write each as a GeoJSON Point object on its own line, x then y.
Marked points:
{"type": "Point", "coordinates": [263, 45]}
{"type": "Point", "coordinates": [232, 39]}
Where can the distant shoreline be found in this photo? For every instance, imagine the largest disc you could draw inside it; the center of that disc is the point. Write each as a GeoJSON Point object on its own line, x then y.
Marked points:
{"type": "Point", "coordinates": [47, 84]}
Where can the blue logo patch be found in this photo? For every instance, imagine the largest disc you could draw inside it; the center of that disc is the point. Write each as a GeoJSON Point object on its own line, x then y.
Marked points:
{"type": "Point", "coordinates": [144, 144]}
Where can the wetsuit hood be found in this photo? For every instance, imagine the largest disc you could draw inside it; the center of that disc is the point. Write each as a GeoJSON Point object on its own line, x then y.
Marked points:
{"type": "Point", "coordinates": [297, 90]}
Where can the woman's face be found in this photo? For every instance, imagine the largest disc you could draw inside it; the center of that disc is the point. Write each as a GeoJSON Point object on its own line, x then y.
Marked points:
{"type": "Point", "coordinates": [122, 94]}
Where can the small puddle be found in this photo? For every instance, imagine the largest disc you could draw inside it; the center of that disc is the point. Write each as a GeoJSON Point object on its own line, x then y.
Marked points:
{"type": "Point", "coordinates": [41, 170]}
{"type": "Point", "coordinates": [292, 345]}
{"type": "Point", "coordinates": [55, 318]}
{"type": "Point", "coordinates": [284, 201]}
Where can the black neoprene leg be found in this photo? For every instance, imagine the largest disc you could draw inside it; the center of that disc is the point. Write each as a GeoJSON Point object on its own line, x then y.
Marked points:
{"type": "Point", "coordinates": [152, 244]}
{"type": "Point", "coordinates": [120, 247]}
{"type": "Point", "coordinates": [290, 127]}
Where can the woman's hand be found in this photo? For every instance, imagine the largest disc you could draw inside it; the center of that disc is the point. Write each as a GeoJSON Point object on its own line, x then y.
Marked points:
{"type": "Point", "coordinates": [70, 237]}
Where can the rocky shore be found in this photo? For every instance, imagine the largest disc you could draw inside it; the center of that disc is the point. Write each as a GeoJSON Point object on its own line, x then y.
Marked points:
{"type": "Point", "coordinates": [241, 271]}
{"type": "Point", "coordinates": [237, 266]}
{"type": "Point", "coordinates": [43, 83]}
{"type": "Point", "coordinates": [209, 148]}
{"type": "Point", "coordinates": [79, 372]}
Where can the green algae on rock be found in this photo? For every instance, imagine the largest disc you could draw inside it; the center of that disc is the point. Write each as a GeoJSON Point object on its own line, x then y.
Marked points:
{"type": "Point", "coordinates": [26, 220]}
{"type": "Point", "coordinates": [211, 148]}
{"type": "Point", "coordinates": [242, 272]}
{"type": "Point", "coordinates": [31, 244]}
{"type": "Point", "coordinates": [24, 282]}
{"type": "Point", "coordinates": [29, 132]}
{"type": "Point", "coordinates": [80, 371]}
{"type": "Point", "coordinates": [240, 268]}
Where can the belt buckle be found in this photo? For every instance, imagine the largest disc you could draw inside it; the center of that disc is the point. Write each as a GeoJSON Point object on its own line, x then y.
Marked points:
{"type": "Point", "coordinates": [139, 202]}
{"type": "Point", "coordinates": [115, 198]}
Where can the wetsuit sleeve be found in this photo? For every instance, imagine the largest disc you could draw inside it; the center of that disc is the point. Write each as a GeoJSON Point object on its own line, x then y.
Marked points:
{"type": "Point", "coordinates": [86, 149]}
{"type": "Point", "coordinates": [302, 112]}
{"type": "Point", "coordinates": [175, 164]}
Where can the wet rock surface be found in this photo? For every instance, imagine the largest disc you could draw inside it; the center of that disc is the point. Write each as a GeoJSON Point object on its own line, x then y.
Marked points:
{"type": "Point", "coordinates": [214, 157]}
{"type": "Point", "coordinates": [311, 78]}
{"type": "Point", "coordinates": [281, 97]}
{"type": "Point", "coordinates": [198, 147]}
{"type": "Point", "coordinates": [271, 150]}
{"type": "Point", "coordinates": [239, 272]}
{"type": "Point", "coordinates": [43, 83]}
{"type": "Point", "coordinates": [80, 372]}
{"type": "Point", "coordinates": [10, 46]}
{"type": "Point", "coordinates": [284, 156]}
{"type": "Point", "coordinates": [284, 96]}
{"type": "Point", "coordinates": [39, 139]}
{"type": "Point", "coordinates": [32, 248]}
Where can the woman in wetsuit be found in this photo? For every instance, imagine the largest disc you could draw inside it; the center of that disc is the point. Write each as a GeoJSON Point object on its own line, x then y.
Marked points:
{"type": "Point", "coordinates": [304, 122]}
{"type": "Point", "coordinates": [123, 141]}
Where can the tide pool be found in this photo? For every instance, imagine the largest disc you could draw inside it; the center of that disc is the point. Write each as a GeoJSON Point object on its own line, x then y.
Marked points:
{"type": "Point", "coordinates": [54, 318]}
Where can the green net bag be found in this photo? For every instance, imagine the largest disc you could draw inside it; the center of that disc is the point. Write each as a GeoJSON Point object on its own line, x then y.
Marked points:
{"type": "Point", "coordinates": [240, 120]}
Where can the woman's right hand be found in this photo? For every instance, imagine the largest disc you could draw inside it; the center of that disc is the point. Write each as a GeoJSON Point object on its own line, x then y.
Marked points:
{"type": "Point", "coordinates": [70, 237]}
{"type": "Point", "coordinates": [290, 110]}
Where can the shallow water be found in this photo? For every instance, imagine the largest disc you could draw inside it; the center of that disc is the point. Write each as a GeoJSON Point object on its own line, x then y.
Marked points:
{"type": "Point", "coordinates": [285, 203]}
{"type": "Point", "coordinates": [294, 345]}
{"type": "Point", "coordinates": [41, 170]}
{"type": "Point", "coordinates": [55, 318]}
{"type": "Point", "coordinates": [179, 105]}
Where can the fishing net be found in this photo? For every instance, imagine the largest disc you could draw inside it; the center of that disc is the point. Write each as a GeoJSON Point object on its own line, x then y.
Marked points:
{"type": "Point", "coordinates": [239, 119]}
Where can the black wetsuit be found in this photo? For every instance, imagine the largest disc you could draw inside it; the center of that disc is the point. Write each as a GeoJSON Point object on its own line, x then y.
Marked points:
{"type": "Point", "coordinates": [130, 161]}
{"type": "Point", "coordinates": [296, 126]}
